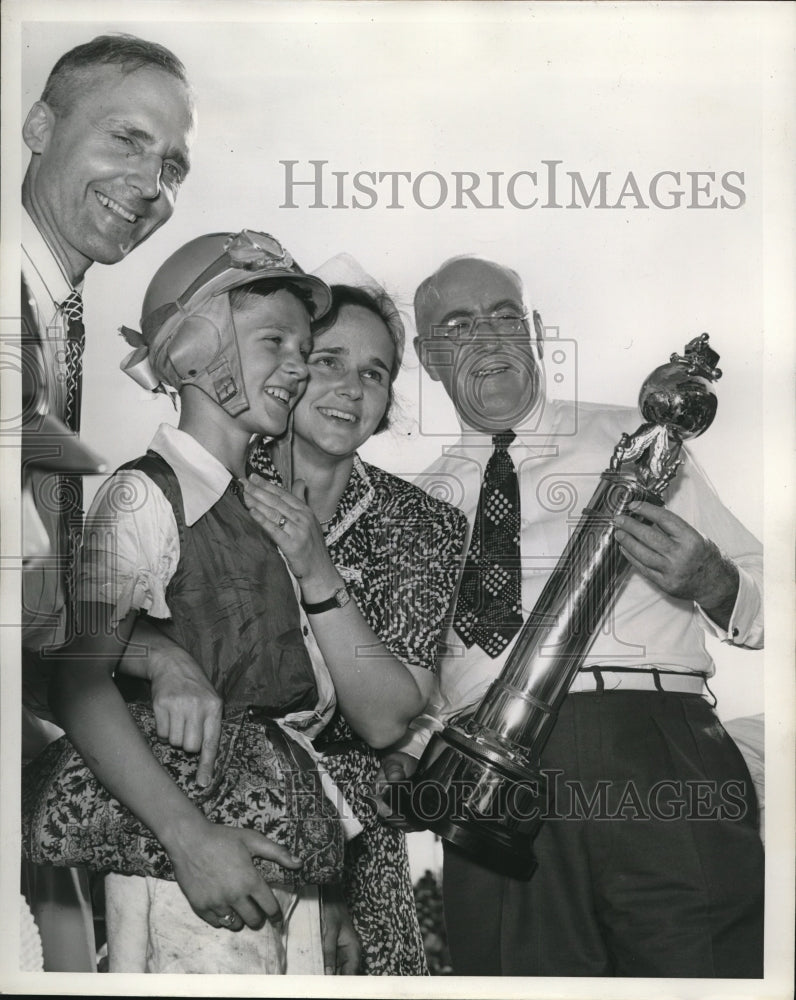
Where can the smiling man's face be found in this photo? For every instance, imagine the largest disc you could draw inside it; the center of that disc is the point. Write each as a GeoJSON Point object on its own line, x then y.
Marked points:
{"type": "Point", "coordinates": [475, 340]}
{"type": "Point", "coordinates": [105, 173]}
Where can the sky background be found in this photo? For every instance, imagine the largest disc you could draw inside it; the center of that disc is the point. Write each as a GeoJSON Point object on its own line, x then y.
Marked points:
{"type": "Point", "coordinates": [483, 87]}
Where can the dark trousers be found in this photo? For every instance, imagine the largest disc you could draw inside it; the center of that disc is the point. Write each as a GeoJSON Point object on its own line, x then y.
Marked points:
{"type": "Point", "coordinates": [649, 863]}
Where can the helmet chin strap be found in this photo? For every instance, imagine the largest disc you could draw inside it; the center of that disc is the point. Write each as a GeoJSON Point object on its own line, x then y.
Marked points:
{"type": "Point", "coordinates": [227, 373]}
{"type": "Point", "coordinates": [282, 454]}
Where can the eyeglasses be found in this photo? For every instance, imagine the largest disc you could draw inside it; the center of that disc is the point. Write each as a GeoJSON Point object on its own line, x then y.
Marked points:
{"type": "Point", "coordinates": [462, 328]}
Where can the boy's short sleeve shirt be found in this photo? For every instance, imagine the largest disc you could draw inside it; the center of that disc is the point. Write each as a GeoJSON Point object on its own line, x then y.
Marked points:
{"type": "Point", "coordinates": [130, 547]}
{"type": "Point", "coordinates": [131, 544]}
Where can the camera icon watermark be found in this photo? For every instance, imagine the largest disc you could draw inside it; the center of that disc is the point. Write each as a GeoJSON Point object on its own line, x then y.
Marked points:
{"type": "Point", "coordinates": [498, 383]}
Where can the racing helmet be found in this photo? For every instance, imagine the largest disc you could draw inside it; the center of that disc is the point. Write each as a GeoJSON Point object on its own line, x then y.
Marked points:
{"type": "Point", "coordinates": [187, 326]}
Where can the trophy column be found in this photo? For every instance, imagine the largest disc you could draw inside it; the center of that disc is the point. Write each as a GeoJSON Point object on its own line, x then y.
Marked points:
{"type": "Point", "coordinates": [478, 784]}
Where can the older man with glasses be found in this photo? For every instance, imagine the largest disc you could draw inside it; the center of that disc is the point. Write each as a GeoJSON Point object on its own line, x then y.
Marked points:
{"type": "Point", "coordinates": [652, 864]}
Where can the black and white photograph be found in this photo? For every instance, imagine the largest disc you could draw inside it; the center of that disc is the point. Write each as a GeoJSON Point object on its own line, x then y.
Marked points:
{"type": "Point", "coordinates": [396, 440]}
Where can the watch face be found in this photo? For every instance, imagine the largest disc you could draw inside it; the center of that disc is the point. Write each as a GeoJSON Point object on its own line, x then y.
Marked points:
{"type": "Point", "coordinates": [342, 596]}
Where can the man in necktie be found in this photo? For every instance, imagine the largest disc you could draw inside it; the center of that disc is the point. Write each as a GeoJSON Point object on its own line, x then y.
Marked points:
{"type": "Point", "coordinates": [72, 309]}
{"type": "Point", "coordinates": [110, 142]}
{"type": "Point", "coordinates": [489, 608]}
{"type": "Point", "coordinates": [662, 887]}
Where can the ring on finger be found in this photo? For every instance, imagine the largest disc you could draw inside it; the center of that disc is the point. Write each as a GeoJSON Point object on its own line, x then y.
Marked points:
{"type": "Point", "coordinates": [282, 521]}
{"type": "Point", "coordinates": [228, 920]}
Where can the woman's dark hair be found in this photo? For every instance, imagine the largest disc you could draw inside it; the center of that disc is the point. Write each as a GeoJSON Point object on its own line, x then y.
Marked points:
{"type": "Point", "coordinates": [382, 306]}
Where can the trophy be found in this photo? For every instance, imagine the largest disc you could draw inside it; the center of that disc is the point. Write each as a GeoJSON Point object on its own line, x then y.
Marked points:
{"type": "Point", "coordinates": [479, 783]}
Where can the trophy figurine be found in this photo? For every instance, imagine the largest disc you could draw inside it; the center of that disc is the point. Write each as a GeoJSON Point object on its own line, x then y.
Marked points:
{"type": "Point", "coordinates": [479, 783]}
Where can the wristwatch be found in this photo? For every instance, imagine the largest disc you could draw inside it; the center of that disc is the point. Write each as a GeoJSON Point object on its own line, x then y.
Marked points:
{"type": "Point", "coordinates": [339, 599]}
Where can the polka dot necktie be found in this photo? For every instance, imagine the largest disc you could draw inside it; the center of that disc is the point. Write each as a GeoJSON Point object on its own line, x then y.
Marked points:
{"type": "Point", "coordinates": [489, 607]}
{"type": "Point", "coordinates": [72, 309]}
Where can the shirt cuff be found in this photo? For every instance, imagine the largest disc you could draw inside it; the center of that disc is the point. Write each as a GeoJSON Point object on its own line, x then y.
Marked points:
{"type": "Point", "coordinates": [418, 734]}
{"type": "Point", "coordinates": [745, 627]}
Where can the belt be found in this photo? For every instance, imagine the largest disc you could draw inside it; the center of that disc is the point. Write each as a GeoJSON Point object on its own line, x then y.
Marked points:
{"type": "Point", "coordinates": [337, 747]}
{"type": "Point", "coordinates": [629, 679]}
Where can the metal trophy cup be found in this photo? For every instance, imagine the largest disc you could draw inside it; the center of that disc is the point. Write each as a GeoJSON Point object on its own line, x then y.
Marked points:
{"type": "Point", "coordinates": [479, 784]}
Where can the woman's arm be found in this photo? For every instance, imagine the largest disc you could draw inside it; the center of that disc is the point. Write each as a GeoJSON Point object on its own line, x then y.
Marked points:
{"type": "Point", "coordinates": [377, 693]}
{"type": "Point", "coordinates": [212, 863]}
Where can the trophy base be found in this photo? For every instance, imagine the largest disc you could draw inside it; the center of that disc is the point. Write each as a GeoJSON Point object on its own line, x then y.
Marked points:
{"type": "Point", "coordinates": [487, 806]}
{"type": "Point", "coordinates": [506, 854]}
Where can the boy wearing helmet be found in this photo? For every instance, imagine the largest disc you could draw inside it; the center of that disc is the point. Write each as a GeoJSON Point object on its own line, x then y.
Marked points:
{"type": "Point", "coordinates": [226, 323]}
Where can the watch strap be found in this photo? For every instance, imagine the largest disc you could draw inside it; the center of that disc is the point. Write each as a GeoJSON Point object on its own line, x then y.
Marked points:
{"type": "Point", "coordinates": [339, 599]}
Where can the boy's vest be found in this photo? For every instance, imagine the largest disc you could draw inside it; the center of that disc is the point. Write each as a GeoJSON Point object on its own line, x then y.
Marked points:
{"type": "Point", "coordinates": [233, 605]}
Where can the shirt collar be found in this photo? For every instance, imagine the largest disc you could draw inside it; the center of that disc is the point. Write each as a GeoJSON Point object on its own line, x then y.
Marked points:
{"type": "Point", "coordinates": [535, 430]}
{"type": "Point", "coordinates": [203, 479]}
{"type": "Point", "coordinates": [356, 498]}
{"type": "Point", "coordinates": [43, 260]}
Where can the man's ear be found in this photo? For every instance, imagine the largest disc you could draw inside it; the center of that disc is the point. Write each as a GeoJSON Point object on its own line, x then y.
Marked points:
{"type": "Point", "coordinates": [38, 127]}
{"type": "Point", "coordinates": [421, 349]}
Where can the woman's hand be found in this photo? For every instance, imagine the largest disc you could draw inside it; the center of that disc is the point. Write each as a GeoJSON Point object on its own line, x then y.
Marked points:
{"type": "Point", "coordinates": [378, 694]}
{"type": "Point", "coordinates": [342, 950]}
{"type": "Point", "coordinates": [291, 525]}
{"type": "Point", "coordinates": [395, 772]}
{"type": "Point", "coordinates": [213, 866]}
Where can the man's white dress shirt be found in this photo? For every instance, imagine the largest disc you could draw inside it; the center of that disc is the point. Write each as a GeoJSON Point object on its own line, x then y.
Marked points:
{"type": "Point", "coordinates": [558, 472]}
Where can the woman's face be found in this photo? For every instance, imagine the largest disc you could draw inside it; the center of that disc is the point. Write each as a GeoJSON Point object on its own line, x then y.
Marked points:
{"type": "Point", "coordinates": [348, 388]}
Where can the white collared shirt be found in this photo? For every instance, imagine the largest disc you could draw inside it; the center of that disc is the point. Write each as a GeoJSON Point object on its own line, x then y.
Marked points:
{"type": "Point", "coordinates": [131, 545]}
{"type": "Point", "coordinates": [559, 457]}
{"type": "Point", "coordinates": [49, 287]}
{"type": "Point", "coordinates": [43, 595]}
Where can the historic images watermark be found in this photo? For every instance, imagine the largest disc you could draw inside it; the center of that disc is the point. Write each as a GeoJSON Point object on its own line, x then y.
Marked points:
{"type": "Point", "coordinates": [554, 797]}
{"type": "Point", "coordinates": [315, 184]}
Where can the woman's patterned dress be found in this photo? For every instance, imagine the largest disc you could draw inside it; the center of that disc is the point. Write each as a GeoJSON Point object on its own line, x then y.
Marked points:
{"type": "Point", "coordinates": [398, 549]}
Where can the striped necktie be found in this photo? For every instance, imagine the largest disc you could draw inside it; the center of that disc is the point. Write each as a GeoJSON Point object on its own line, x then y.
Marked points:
{"type": "Point", "coordinates": [489, 607]}
{"type": "Point", "coordinates": [72, 309]}
{"type": "Point", "coordinates": [72, 485]}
